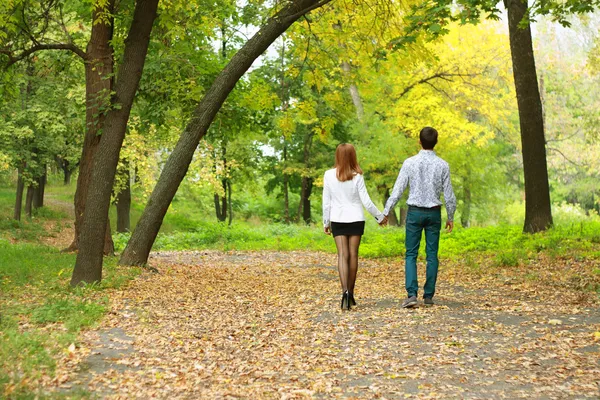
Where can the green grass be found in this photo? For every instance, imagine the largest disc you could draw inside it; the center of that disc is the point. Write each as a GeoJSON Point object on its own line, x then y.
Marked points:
{"type": "Point", "coordinates": [41, 314]}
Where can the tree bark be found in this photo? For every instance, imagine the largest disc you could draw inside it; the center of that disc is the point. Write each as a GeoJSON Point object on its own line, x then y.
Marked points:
{"type": "Point", "coordinates": [465, 216]}
{"type": "Point", "coordinates": [403, 214]}
{"type": "Point", "coordinates": [29, 201]}
{"type": "Point", "coordinates": [307, 215]}
{"type": "Point", "coordinates": [354, 94]}
{"type": "Point", "coordinates": [392, 218]}
{"type": "Point", "coordinates": [19, 196]}
{"type": "Point", "coordinates": [538, 213]}
{"type": "Point", "coordinates": [123, 203]}
{"type": "Point", "coordinates": [140, 244]}
{"type": "Point", "coordinates": [98, 85]}
{"type": "Point", "coordinates": [88, 265]}
{"type": "Point", "coordinates": [67, 171]}
{"type": "Point", "coordinates": [229, 205]}
{"type": "Point", "coordinates": [38, 193]}
{"type": "Point", "coordinates": [286, 187]}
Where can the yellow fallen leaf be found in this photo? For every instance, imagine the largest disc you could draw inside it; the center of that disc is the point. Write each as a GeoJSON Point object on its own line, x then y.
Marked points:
{"type": "Point", "coordinates": [597, 335]}
{"type": "Point", "coordinates": [555, 322]}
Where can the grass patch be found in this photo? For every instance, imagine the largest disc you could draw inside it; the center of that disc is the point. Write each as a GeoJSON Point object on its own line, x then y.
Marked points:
{"type": "Point", "coordinates": [41, 314]}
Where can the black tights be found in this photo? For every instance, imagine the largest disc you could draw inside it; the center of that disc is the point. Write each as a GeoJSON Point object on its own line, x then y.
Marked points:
{"type": "Point", "coordinates": [347, 248]}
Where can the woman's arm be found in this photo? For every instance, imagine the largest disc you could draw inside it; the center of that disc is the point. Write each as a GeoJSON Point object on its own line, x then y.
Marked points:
{"type": "Point", "coordinates": [366, 200]}
{"type": "Point", "coordinates": [326, 203]}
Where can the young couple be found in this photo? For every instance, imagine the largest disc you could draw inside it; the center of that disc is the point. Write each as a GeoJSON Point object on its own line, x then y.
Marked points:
{"type": "Point", "coordinates": [345, 193]}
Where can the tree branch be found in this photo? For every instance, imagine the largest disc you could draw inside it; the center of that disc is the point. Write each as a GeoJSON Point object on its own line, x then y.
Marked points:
{"type": "Point", "coordinates": [440, 75]}
{"type": "Point", "coordinates": [294, 17]}
{"type": "Point", "coordinates": [12, 59]}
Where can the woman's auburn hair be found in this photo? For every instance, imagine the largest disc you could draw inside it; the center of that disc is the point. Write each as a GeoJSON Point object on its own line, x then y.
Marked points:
{"type": "Point", "coordinates": [346, 164]}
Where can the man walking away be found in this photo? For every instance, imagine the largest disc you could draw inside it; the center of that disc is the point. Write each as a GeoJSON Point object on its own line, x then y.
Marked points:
{"type": "Point", "coordinates": [427, 175]}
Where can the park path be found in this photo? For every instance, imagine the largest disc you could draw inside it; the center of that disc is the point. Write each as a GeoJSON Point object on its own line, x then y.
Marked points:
{"type": "Point", "coordinates": [267, 325]}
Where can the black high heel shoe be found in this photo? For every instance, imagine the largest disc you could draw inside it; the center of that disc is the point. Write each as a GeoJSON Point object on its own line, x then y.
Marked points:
{"type": "Point", "coordinates": [345, 301]}
{"type": "Point", "coordinates": [351, 299]}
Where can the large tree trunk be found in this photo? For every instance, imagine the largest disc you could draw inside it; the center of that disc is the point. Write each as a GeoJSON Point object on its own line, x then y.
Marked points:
{"type": "Point", "coordinates": [123, 203]}
{"type": "Point", "coordinates": [38, 193]}
{"type": "Point", "coordinates": [19, 196]}
{"type": "Point", "coordinates": [88, 265]}
{"type": "Point", "coordinates": [140, 244]}
{"type": "Point", "coordinates": [98, 85]}
{"type": "Point", "coordinates": [538, 213]}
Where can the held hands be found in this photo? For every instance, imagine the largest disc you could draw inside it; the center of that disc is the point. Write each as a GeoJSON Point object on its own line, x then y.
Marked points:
{"type": "Point", "coordinates": [384, 221]}
{"type": "Point", "coordinates": [449, 226]}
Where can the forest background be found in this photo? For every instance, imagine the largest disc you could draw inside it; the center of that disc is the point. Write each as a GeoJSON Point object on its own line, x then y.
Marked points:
{"type": "Point", "coordinates": [347, 72]}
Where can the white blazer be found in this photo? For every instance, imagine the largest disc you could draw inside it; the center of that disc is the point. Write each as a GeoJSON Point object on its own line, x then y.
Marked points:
{"type": "Point", "coordinates": [343, 201]}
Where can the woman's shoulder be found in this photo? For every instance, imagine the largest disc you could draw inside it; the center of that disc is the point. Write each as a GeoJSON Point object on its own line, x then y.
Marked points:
{"type": "Point", "coordinates": [330, 172]}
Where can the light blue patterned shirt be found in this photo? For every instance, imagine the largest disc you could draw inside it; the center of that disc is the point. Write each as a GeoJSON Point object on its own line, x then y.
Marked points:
{"type": "Point", "coordinates": [427, 176]}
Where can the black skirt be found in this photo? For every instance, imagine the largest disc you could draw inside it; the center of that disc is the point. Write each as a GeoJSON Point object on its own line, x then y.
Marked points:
{"type": "Point", "coordinates": [348, 228]}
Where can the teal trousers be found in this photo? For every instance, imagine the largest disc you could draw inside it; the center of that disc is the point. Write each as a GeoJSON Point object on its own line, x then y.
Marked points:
{"type": "Point", "coordinates": [418, 220]}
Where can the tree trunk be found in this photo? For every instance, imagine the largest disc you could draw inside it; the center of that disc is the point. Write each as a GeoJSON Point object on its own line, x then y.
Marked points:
{"type": "Point", "coordinates": [465, 216]}
{"type": "Point", "coordinates": [306, 200]}
{"type": "Point", "coordinates": [67, 172]}
{"type": "Point", "coordinates": [88, 265]}
{"type": "Point", "coordinates": [38, 193]}
{"type": "Point", "coordinates": [123, 203]}
{"type": "Point", "coordinates": [221, 203]}
{"type": "Point", "coordinates": [403, 214]}
{"type": "Point", "coordinates": [392, 218]}
{"type": "Point", "coordinates": [98, 85]}
{"type": "Point", "coordinates": [286, 187]}
{"type": "Point", "coordinates": [140, 244]}
{"type": "Point", "coordinates": [354, 94]}
{"type": "Point", "coordinates": [29, 201]}
{"type": "Point", "coordinates": [229, 205]}
{"type": "Point", "coordinates": [19, 196]}
{"type": "Point", "coordinates": [538, 213]}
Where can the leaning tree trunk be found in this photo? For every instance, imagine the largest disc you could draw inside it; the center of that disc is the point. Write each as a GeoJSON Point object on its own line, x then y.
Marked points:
{"type": "Point", "coordinates": [538, 213]}
{"type": "Point", "coordinates": [140, 244]}
{"type": "Point", "coordinates": [98, 86]}
{"type": "Point", "coordinates": [19, 196]}
{"type": "Point", "coordinates": [88, 265]}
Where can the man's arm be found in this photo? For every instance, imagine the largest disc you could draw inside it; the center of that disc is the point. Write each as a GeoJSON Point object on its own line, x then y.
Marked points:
{"type": "Point", "coordinates": [449, 197]}
{"type": "Point", "coordinates": [399, 187]}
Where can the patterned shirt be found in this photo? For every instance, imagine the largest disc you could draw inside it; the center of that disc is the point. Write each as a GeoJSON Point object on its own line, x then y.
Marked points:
{"type": "Point", "coordinates": [427, 175]}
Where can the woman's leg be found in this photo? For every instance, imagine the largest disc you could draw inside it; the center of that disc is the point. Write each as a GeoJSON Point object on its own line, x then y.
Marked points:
{"type": "Point", "coordinates": [341, 242]}
{"type": "Point", "coordinates": [354, 243]}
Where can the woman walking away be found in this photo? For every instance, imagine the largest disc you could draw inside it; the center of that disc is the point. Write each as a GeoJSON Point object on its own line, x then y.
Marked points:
{"type": "Point", "coordinates": [344, 194]}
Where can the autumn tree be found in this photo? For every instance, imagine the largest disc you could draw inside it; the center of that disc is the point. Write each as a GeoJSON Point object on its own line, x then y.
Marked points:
{"type": "Point", "coordinates": [140, 244]}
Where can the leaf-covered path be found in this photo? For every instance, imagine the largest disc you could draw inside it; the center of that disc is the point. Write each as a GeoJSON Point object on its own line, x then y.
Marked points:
{"type": "Point", "coordinates": [267, 325]}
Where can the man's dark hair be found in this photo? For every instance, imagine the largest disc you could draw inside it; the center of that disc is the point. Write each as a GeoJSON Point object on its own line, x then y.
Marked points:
{"type": "Point", "coordinates": [428, 137]}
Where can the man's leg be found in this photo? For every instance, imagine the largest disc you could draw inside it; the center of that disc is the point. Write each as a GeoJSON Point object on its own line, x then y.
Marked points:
{"type": "Point", "coordinates": [414, 229]}
{"type": "Point", "coordinates": [433, 225]}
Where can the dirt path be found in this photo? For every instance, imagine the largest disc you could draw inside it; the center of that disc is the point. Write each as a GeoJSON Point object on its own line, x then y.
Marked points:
{"type": "Point", "coordinates": [267, 325]}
